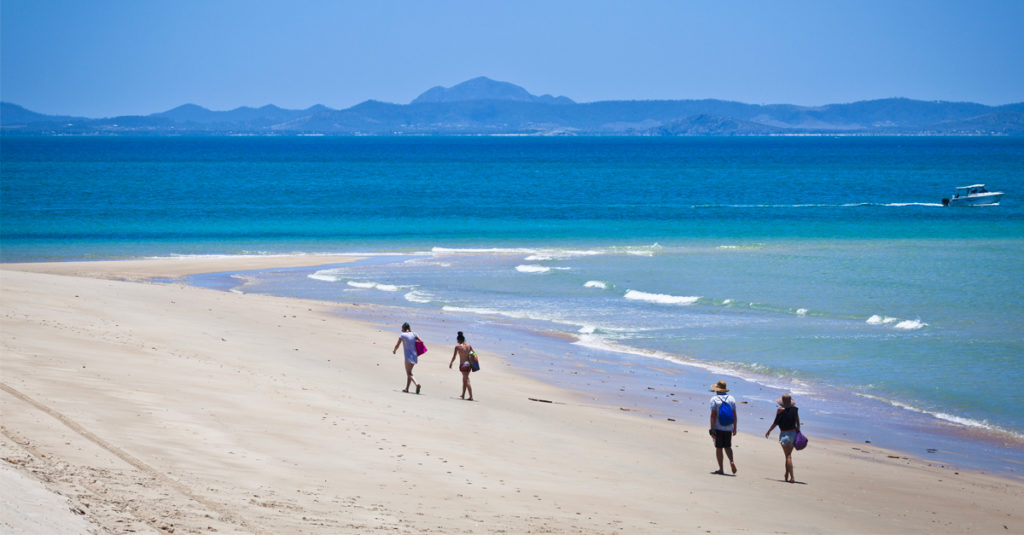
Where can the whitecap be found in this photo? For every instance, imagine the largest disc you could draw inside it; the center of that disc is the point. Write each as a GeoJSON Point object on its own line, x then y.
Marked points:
{"type": "Point", "coordinates": [662, 299]}
{"type": "Point", "coordinates": [417, 296]}
{"type": "Point", "coordinates": [801, 312]}
{"type": "Point", "coordinates": [897, 323]}
{"type": "Point", "coordinates": [532, 268]}
{"type": "Point", "coordinates": [596, 284]}
{"type": "Point", "coordinates": [515, 314]}
{"type": "Point", "coordinates": [374, 286]}
{"type": "Point", "coordinates": [910, 325]}
{"type": "Point", "coordinates": [881, 320]}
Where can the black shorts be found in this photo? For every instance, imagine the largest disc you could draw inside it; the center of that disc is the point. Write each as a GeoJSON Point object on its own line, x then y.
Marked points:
{"type": "Point", "coordinates": [723, 439]}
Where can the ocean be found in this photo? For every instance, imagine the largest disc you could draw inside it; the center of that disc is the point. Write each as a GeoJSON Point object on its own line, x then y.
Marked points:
{"type": "Point", "coordinates": [627, 268]}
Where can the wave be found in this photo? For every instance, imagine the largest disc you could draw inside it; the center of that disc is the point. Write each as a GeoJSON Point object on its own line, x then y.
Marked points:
{"type": "Point", "coordinates": [514, 314]}
{"type": "Point", "coordinates": [545, 255]}
{"type": "Point", "coordinates": [598, 342]}
{"type": "Point", "coordinates": [534, 268]}
{"type": "Point", "coordinates": [327, 275]}
{"type": "Point", "coordinates": [820, 205]}
{"type": "Point", "coordinates": [748, 247]}
{"type": "Point", "coordinates": [910, 325]}
{"type": "Point", "coordinates": [417, 296]}
{"type": "Point", "coordinates": [661, 299]}
{"type": "Point", "coordinates": [493, 250]}
{"type": "Point", "coordinates": [959, 420]}
{"type": "Point", "coordinates": [596, 284]}
{"type": "Point", "coordinates": [520, 314]}
{"type": "Point", "coordinates": [896, 323]}
{"type": "Point", "coordinates": [374, 286]}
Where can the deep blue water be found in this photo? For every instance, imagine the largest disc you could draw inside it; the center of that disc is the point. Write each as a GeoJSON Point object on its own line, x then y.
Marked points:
{"type": "Point", "coordinates": [95, 197]}
{"type": "Point", "coordinates": [825, 266]}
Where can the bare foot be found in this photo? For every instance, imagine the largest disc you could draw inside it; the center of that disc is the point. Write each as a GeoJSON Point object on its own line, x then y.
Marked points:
{"type": "Point", "coordinates": [733, 467]}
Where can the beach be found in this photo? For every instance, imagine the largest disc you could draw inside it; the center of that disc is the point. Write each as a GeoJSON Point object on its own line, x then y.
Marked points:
{"type": "Point", "coordinates": [163, 407]}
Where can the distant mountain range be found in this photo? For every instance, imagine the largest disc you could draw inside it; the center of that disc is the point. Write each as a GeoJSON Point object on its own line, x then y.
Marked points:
{"type": "Point", "coordinates": [482, 106]}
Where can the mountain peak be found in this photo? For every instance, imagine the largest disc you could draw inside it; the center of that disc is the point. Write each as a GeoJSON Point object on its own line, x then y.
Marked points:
{"type": "Point", "coordinates": [483, 88]}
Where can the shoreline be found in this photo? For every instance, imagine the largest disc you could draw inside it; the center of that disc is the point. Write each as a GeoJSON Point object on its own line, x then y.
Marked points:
{"type": "Point", "coordinates": [949, 431]}
{"type": "Point", "coordinates": [644, 386]}
{"type": "Point", "coordinates": [244, 399]}
{"type": "Point", "coordinates": [839, 413]}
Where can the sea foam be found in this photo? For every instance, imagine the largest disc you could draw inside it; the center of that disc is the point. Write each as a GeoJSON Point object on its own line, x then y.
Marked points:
{"type": "Point", "coordinates": [896, 323]}
{"type": "Point", "coordinates": [417, 296]}
{"type": "Point", "coordinates": [535, 268]}
{"type": "Point", "coordinates": [374, 286]}
{"type": "Point", "coordinates": [661, 299]}
{"type": "Point", "coordinates": [326, 275]}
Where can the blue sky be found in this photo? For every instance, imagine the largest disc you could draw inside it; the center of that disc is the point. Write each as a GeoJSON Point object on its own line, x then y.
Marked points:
{"type": "Point", "coordinates": [99, 58]}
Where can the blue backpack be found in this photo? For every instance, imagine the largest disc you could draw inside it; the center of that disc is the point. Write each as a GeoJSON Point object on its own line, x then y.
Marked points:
{"type": "Point", "coordinates": [725, 414]}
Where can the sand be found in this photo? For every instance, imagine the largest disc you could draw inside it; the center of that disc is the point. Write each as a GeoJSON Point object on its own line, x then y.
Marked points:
{"type": "Point", "coordinates": [161, 408]}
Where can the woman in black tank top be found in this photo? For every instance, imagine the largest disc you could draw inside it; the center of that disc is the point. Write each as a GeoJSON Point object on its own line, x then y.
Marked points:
{"type": "Point", "coordinates": [787, 418]}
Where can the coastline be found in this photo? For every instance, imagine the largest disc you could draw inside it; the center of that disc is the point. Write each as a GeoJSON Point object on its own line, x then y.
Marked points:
{"type": "Point", "coordinates": [250, 413]}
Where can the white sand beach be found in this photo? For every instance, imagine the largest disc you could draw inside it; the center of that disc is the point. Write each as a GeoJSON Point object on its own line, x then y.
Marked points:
{"type": "Point", "coordinates": [161, 408]}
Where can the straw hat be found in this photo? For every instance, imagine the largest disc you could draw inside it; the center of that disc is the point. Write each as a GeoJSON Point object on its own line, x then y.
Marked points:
{"type": "Point", "coordinates": [719, 387]}
{"type": "Point", "coordinates": [785, 401]}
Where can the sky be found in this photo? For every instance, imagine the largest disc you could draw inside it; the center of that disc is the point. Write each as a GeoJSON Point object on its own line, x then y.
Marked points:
{"type": "Point", "coordinates": [104, 58]}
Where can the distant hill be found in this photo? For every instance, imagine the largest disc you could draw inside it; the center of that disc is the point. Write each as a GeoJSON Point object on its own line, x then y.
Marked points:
{"type": "Point", "coordinates": [13, 114]}
{"type": "Point", "coordinates": [482, 106]}
{"type": "Point", "coordinates": [483, 88]}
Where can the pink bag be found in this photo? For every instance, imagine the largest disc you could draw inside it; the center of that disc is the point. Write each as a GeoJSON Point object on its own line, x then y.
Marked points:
{"type": "Point", "coordinates": [421, 348]}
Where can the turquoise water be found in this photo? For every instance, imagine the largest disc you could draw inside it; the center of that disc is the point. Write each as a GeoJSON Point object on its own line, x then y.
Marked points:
{"type": "Point", "coordinates": [825, 266]}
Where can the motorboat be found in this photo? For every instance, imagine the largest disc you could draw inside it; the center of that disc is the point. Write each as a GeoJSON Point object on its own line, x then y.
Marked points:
{"type": "Point", "coordinates": [975, 195]}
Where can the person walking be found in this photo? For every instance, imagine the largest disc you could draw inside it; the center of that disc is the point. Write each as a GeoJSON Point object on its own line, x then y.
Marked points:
{"type": "Point", "coordinates": [787, 418]}
{"type": "Point", "coordinates": [409, 339]}
{"type": "Point", "coordinates": [723, 424]}
{"type": "Point", "coordinates": [465, 353]}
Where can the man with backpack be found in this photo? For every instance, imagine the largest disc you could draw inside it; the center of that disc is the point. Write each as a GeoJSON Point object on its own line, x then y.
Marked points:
{"type": "Point", "coordinates": [723, 423]}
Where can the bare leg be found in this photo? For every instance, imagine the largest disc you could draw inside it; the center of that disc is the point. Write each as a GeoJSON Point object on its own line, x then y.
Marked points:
{"type": "Point", "coordinates": [788, 450]}
{"type": "Point", "coordinates": [409, 379]}
{"type": "Point", "coordinates": [728, 451]}
{"type": "Point", "coordinates": [466, 386]}
{"type": "Point", "coordinates": [718, 456]}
